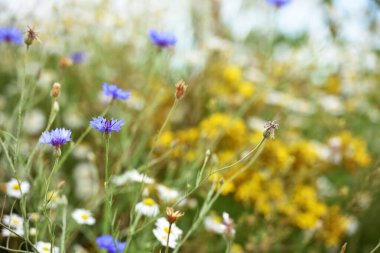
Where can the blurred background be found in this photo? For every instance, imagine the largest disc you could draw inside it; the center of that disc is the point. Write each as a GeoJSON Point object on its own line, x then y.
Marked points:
{"type": "Point", "coordinates": [313, 65]}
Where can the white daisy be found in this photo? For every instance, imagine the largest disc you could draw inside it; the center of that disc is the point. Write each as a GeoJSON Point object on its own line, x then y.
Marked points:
{"type": "Point", "coordinates": [214, 224]}
{"type": "Point", "coordinates": [148, 207]}
{"type": "Point", "coordinates": [166, 194]}
{"type": "Point", "coordinates": [16, 190]}
{"type": "Point", "coordinates": [132, 176]}
{"type": "Point", "coordinates": [45, 247]}
{"type": "Point", "coordinates": [161, 232]}
{"type": "Point", "coordinates": [15, 223]}
{"type": "Point", "coordinates": [82, 216]}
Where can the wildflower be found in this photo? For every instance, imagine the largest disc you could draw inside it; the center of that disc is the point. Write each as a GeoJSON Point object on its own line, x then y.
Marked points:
{"type": "Point", "coordinates": [14, 224]}
{"type": "Point", "coordinates": [229, 227]}
{"type": "Point", "coordinates": [46, 247]}
{"type": "Point", "coordinates": [180, 89]}
{"type": "Point", "coordinates": [278, 3]}
{"type": "Point", "coordinates": [132, 176]}
{"type": "Point", "coordinates": [166, 194]}
{"type": "Point", "coordinates": [148, 207]}
{"type": "Point", "coordinates": [214, 224]}
{"type": "Point", "coordinates": [31, 36]}
{"type": "Point", "coordinates": [65, 62]}
{"type": "Point", "coordinates": [82, 216]}
{"type": "Point", "coordinates": [56, 137]}
{"type": "Point", "coordinates": [162, 39]}
{"type": "Point", "coordinates": [105, 125]}
{"type": "Point", "coordinates": [16, 189]}
{"type": "Point", "coordinates": [10, 35]}
{"type": "Point", "coordinates": [173, 216]}
{"type": "Point", "coordinates": [270, 128]}
{"type": "Point", "coordinates": [115, 92]}
{"type": "Point", "coordinates": [55, 90]}
{"type": "Point", "coordinates": [164, 229]}
{"type": "Point", "coordinates": [78, 57]}
{"type": "Point", "coordinates": [110, 244]}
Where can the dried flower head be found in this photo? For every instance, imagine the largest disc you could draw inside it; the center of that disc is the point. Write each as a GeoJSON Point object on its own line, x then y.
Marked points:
{"type": "Point", "coordinates": [172, 215]}
{"type": "Point", "coordinates": [270, 128]}
{"type": "Point", "coordinates": [180, 89]}
{"type": "Point", "coordinates": [31, 36]}
{"type": "Point", "coordinates": [55, 90]}
{"type": "Point", "coordinates": [65, 62]}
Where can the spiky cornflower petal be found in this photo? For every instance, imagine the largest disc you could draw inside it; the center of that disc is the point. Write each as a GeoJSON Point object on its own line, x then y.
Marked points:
{"type": "Point", "coordinates": [112, 246]}
{"type": "Point", "coordinates": [11, 35]}
{"type": "Point", "coordinates": [162, 39]}
{"type": "Point", "coordinates": [78, 57]}
{"type": "Point", "coordinates": [278, 3]}
{"type": "Point", "coordinates": [105, 125]}
{"type": "Point", "coordinates": [56, 137]}
{"type": "Point", "coordinates": [115, 92]}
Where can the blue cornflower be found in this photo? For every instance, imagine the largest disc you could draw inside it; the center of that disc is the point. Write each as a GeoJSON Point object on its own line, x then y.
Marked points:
{"type": "Point", "coordinates": [112, 246]}
{"type": "Point", "coordinates": [115, 92]}
{"type": "Point", "coordinates": [105, 125]}
{"type": "Point", "coordinates": [162, 39]}
{"type": "Point", "coordinates": [11, 35]}
{"type": "Point", "coordinates": [56, 137]}
{"type": "Point", "coordinates": [78, 57]}
{"type": "Point", "coordinates": [279, 3]}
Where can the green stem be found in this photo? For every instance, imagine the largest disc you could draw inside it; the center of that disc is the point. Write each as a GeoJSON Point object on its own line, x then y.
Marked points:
{"type": "Point", "coordinates": [376, 248]}
{"type": "Point", "coordinates": [107, 201]}
{"type": "Point", "coordinates": [229, 246]}
{"type": "Point", "coordinates": [132, 232]}
{"type": "Point", "coordinates": [20, 115]}
{"type": "Point", "coordinates": [64, 224]}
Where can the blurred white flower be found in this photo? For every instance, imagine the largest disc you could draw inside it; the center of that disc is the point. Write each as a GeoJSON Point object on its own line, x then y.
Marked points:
{"type": "Point", "coordinates": [14, 224]}
{"type": "Point", "coordinates": [166, 194]}
{"type": "Point", "coordinates": [82, 216]}
{"type": "Point", "coordinates": [86, 180]}
{"type": "Point", "coordinates": [16, 190]}
{"type": "Point", "coordinates": [214, 224]}
{"type": "Point", "coordinates": [45, 247]}
{"type": "Point", "coordinates": [332, 104]}
{"type": "Point", "coordinates": [148, 207]}
{"type": "Point", "coordinates": [161, 232]}
{"type": "Point", "coordinates": [34, 121]}
{"type": "Point", "coordinates": [132, 176]}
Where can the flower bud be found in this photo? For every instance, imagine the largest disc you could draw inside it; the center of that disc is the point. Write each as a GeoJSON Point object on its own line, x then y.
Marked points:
{"type": "Point", "coordinates": [31, 36]}
{"type": "Point", "coordinates": [55, 90]}
{"type": "Point", "coordinates": [65, 62]}
{"type": "Point", "coordinates": [180, 89]}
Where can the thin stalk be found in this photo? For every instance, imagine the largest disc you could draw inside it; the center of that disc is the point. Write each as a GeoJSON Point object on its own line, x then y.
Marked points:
{"type": "Point", "coordinates": [376, 248]}
{"type": "Point", "coordinates": [167, 240]}
{"type": "Point", "coordinates": [20, 115]}
{"type": "Point", "coordinates": [132, 232]}
{"type": "Point", "coordinates": [64, 225]}
{"type": "Point", "coordinates": [107, 201]}
{"type": "Point", "coordinates": [229, 246]}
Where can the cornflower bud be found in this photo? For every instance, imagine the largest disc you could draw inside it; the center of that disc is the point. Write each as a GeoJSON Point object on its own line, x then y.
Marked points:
{"type": "Point", "coordinates": [55, 90]}
{"type": "Point", "coordinates": [173, 216]}
{"type": "Point", "coordinates": [180, 89]}
{"type": "Point", "coordinates": [31, 36]}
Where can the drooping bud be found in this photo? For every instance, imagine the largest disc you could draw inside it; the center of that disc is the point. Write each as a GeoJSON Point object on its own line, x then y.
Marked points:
{"type": "Point", "coordinates": [31, 36]}
{"type": "Point", "coordinates": [55, 90]}
{"type": "Point", "coordinates": [180, 89]}
{"type": "Point", "coordinates": [172, 216]}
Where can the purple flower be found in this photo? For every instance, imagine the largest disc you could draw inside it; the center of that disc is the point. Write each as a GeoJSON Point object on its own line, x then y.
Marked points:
{"type": "Point", "coordinates": [78, 57]}
{"type": "Point", "coordinates": [278, 3]}
{"type": "Point", "coordinates": [56, 137]}
{"type": "Point", "coordinates": [11, 35]}
{"type": "Point", "coordinates": [105, 125]}
{"type": "Point", "coordinates": [115, 92]}
{"type": "Point", "coordinates": [112, 246]}
{"type": "Point", "coordinates": [162, 39]}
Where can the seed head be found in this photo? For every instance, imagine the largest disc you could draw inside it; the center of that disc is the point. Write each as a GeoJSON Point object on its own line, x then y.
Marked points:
{"type": "Point", "coordinates": [173, 216]}
{"type": "Point", "coordinates": [180, 89]}
{"type": "Point", "coordinates": [31, 36]}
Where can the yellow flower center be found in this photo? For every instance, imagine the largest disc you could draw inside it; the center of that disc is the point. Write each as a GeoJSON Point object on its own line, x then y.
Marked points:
{"type": "Point", "coordinates": [85, 216]}
{"type": "Point", "coordinates": [166, 229]}
{"type": "Point", "coordinates": [16, 187]}
{"type": "Point", "coordinates": [46, 249]}
{"type": "Point", "coordinates": [149, 202]}
{"type": "Point", "coordinates": [14, 221]}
